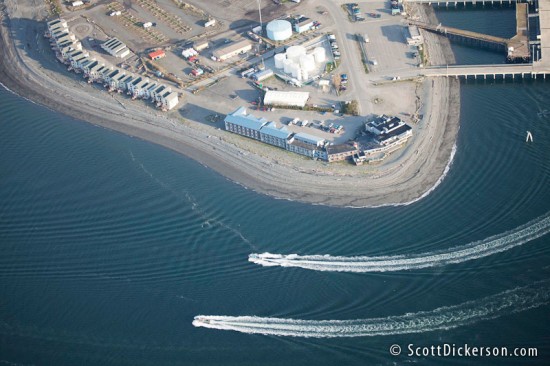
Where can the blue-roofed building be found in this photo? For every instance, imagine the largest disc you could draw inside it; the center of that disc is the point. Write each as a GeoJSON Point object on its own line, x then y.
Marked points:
{"type": "Point", "coordinates": [244, 124]}
{"type": "Point", "coordinates": [272, 135]}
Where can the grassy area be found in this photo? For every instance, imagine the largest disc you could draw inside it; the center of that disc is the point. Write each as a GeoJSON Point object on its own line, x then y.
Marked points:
{"type": "Point", "coordinates": [423, 55]}
{"type": "Point", "coordinates": [351, 108]}
{"type": "Point", "coordinates": [54, 7]}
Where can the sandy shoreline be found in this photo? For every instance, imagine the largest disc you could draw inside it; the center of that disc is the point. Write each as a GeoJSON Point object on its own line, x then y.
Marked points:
{"type": "Point", "coordinates": [420, 166]}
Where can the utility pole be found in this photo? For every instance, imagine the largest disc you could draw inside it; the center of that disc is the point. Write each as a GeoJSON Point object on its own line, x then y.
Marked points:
{"type": "Point", "coordinates": [260, 12]}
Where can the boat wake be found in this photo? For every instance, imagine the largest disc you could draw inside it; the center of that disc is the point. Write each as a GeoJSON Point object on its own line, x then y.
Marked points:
{"type": "Point", "coordinates": [504, 303]}
{"type": "Point", "coordinates": [479, 249]}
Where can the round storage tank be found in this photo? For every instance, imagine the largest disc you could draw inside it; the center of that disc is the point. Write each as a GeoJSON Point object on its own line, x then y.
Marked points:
{"type": "Point", "coordinates": [295, 69]}
{"type": "Point", "coordinates": [279, 30]}
{"type": "Point", "coordinates": [279, 60]}
{"type": "Point", "coordinates": [319, 55]}
{"type": "Point", "coordinates": [294, 52]}
{"type": "Point", "coordinates": [307, 62]}
{"type": "Point", "coordinates": [287, 65]}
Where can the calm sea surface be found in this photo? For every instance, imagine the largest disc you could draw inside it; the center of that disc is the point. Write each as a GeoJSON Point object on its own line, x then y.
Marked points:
{"type": "Point", "coordinates": [109, 246]}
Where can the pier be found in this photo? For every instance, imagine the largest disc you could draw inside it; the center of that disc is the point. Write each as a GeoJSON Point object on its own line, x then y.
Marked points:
{"type": "Point", "coordinates": [513, 71]}
{"type": "Point", "coordinates": [473, 2]}
{"type": "Point", "coordinates": [517, 47]}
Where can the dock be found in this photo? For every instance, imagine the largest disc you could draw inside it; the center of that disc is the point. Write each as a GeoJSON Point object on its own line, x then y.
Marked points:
{"type": "Point", "coordinates": [517, 47]}
{"type": "Point", "coordinates": [513, 71]}
{"type": "Point", "coordinates": [464, 2]}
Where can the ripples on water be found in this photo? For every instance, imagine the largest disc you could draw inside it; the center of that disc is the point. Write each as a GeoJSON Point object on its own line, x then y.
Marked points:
{"type": "Point", "coordinates": [110, 246]}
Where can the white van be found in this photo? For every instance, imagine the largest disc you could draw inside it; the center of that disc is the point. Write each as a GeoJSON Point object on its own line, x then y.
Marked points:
{"type": "Point", "coordinates": [366, 38]}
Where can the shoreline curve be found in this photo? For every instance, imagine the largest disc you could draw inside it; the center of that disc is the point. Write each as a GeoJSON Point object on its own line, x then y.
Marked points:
{"type": "Point", "coordinates": [420, 168]}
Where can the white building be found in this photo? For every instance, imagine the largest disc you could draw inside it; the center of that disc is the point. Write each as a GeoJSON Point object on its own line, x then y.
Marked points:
{"type": "Point", "coordinates": [389, 130]}
{"type": "Point", "coordinates": [169, 101]}
{"type": "Point", "coordinates": [57, 25]}
{"type": "Point", "coordinates": [132, 84]}
{"type": "Point", "coordinates": [415, 38]}
{"type": "Point", "coordinates": [158, 91]}
{"type": "Point", "coordinates": [138, 89]}
{"type": "Point", "coordinates": [303, 24]}
{"type": "Point", "coordinates": [201, 45]}
{"type": "Point", "coordinates": [284, 98]}
{"type": "Point", "coordinates": [309, 150]}
{"type": "Point", "coordinates": [310, 139]}
{"type": "Point", "coordinates": [270, 134]}
{"type": "Point", "coordinates": [244, 124]}
{"type": "Point", "coordinates": [232, 49]}
{"type": "Point", "coordinates": [115, 48]}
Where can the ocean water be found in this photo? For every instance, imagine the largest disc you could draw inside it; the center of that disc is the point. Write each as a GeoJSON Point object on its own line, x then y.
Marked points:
{"type": "Point", "coordinates": [110, 246]}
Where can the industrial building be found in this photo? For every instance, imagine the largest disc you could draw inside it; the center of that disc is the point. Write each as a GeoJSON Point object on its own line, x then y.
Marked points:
{"type": "Point", "coordinates": [232, 49]}
{"type": "Point", "coordinates": [284, 98]}
{"type": "Point", "coordinates": [279, 30]}
{"type": "Point", "coordinates": [303, 24]}
{"type": "Point", "coordinates": [157, 55]}
{"type": "Point", "coordinates": [262, 75]}
{"type": "Point", "coordinates": [201, 45]}
{"type": "Point", "coordinates": [115, 48]}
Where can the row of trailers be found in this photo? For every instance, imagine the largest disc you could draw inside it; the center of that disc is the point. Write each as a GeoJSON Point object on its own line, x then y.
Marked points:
{"type": "Point", "coordinates": [69, 51]}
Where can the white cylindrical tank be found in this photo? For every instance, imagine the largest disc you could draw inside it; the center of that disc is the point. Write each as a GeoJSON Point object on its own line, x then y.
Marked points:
{"type": "Point", "coordinates": [295, 69]}
{"type": "Point", "coordinates": [287, 65]}
{"type": "Point", "coordinates": [279, 30]}
{"type": "Point", "coordinates": [279, 60]}
{"type": "Point", "coordinates": [294, 52]}
{"type": "Point", "coordinates": [319, 55]}
{"type": "Point", "coordinates": [307, 62]}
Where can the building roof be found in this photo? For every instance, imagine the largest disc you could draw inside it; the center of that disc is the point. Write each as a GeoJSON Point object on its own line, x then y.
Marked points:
{"type": "Point", "coordinates": [340, 148]}
{"type": "Point", "coordinates": [413, 30]}
{"type": "Point", "coordinates": [286, 98]}
{"type": "Point", "coordinates": [171, 96]}
{"type": "Point", "coordinates": [240, 118]}
{"type": "Point", "coordinates": [385, 124]}
{"type": "Point", "coordinates": [119, 76]}
{"type": "Point", "coordinates": [309, 139]}
{"type": "Point", "coordinates": [155, 54]}
{"type": "Point", "coordinates": [303, 20]}
{"type": "Point", "coordinates": [263, 73]}
{"type": "Point", "coordinates": [159, 88]}
{"type": "Point", "coordinates": [232, 47]}
{"type": "Point", "coordinates": [271, 129]}
{"type": "Point", "coordinates": [395, 133]}
{"type": "Point", "coordinates": [303, 145]}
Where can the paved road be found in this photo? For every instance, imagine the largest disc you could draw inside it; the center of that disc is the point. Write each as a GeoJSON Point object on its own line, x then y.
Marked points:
{"type": "Point", "coordinates": [351, 54]}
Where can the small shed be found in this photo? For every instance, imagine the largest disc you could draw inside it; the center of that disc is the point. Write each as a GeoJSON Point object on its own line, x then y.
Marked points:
{"type": "Point", "coordinates": [156, 55]}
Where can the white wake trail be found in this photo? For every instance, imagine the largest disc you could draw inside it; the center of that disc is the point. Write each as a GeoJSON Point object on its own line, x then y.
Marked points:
{"type": "Point", "coordinates": [504, 303]}
{"type": "Point", "coordinates": [479, 249]}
